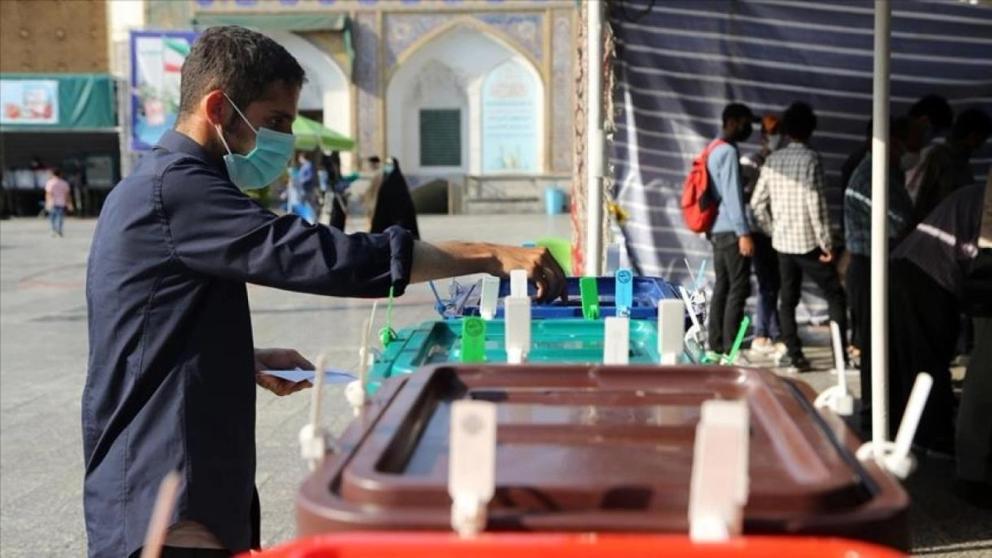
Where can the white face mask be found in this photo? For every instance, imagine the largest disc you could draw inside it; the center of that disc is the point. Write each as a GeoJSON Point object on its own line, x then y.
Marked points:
{"type": "Point", "coordinates": [774, 141]}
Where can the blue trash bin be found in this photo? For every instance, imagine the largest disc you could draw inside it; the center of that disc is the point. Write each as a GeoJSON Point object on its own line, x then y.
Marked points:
{"type": "Point", "coordinates": [554, 200]}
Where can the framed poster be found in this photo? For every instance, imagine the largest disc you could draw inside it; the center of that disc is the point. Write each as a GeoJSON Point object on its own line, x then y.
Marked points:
{"type": "Point", "coordinates": [156, 60]}
{"type": "Point", "coordinates": [510, 97]}
{"type": "Point", "coordinates": [29, 101]}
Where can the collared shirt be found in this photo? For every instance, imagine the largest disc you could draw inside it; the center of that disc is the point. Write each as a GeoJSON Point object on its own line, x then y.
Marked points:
{"type": "Point", "coordinates": [789, 200]}
{"type": "Point", "coordinates": [857, 207]}
{"type": "Point", "coordinates": [945, 244]}
{"type": "Point", "coordinates": [171, 379]}
{"type": "Point", "coordinates": [724, 169]}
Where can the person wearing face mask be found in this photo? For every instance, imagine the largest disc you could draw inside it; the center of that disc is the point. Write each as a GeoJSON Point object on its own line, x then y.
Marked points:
{"type": "Point", "coordinates": [789, 201]}
{"type": "Point", "coordinates": [730, 234]}
{"type": "Point", "coordinates": [765, 261]}
{"type": "Point", "coordinates": [173, 369]}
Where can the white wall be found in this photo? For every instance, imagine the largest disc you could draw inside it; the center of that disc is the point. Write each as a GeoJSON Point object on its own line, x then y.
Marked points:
{"type": "Point", "coordinates": [124, 15]}
{"type": "Point", "coordinates": [435, 86]}
{"type": "Point", "coordinates": [446, 73]}
{"type": "Point", "coordinates": [326, 87]}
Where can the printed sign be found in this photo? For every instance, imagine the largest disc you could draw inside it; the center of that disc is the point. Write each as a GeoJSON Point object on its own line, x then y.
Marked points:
{"type": "Point", "coordinates": [156, 60]}
{"type": "Point", "coordinates": [509, 119]}
{"type": "Point", "coordinates": [29, 101]}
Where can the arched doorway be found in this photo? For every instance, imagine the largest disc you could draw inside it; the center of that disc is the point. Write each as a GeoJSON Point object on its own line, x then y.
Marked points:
{"type": "Point", "coordinates": [327, 87]}
{"type": "Point", "coordinates": [445, 101]}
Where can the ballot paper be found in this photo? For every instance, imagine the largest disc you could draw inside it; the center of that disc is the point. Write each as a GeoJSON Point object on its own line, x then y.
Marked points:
{"type": "Point", "coordinates": [298, 375]}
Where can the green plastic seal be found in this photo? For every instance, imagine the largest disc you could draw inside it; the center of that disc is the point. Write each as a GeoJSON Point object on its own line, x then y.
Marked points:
{"type": "Point", "coordinates": [473, 340]}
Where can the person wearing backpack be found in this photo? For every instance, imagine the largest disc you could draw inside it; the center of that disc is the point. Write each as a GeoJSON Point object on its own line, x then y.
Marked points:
{"type": "Point", "coordinates": [729, 234]}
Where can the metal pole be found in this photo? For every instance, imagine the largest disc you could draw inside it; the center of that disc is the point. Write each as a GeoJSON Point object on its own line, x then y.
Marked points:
{"type": "Point", "coordinates": [879, 231]}
{"type": "Point", "coordinates": [594, 138]}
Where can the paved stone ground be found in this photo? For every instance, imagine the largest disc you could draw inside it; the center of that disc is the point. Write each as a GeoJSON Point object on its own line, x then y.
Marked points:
{"type": "Point", "coordinates": [42, 368]}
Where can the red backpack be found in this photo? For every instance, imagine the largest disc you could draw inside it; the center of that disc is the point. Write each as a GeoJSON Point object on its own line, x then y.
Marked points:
{"type": "Point", "coordinates": [699, 208]}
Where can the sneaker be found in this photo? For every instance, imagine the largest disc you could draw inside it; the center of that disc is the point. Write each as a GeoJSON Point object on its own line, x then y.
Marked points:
{"type": "Point", "coordinates": [762, 345]}
{"type": "Point", "coordinates": [797, 363]}
{"type": "Point", "coordinates": [711, 357]}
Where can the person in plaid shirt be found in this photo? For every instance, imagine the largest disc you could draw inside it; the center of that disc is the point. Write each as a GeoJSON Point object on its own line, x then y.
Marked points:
{"type": "Point", "coordinates": [789, 201]}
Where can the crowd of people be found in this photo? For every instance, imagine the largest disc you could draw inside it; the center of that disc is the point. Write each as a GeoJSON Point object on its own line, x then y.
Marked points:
{"type": "Point", "coordinates": [773, 217]}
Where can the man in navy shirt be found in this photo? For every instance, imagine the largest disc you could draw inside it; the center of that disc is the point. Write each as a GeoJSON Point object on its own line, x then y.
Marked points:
{"type": "Point", "coordinates": [172, 365]}
{"type": "Point", "coordinates": [730, 235]}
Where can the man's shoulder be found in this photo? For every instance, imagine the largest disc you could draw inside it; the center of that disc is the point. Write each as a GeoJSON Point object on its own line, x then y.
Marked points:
{"type": "Point", "coordinates": [154, 169]}
{"type": "Point", "coordinates": [938, 154]}
{"type": "Point", "coordinates": [723, 147]}
{"type": "Point", "coordinates": [795, 153]}
{"type": "Point", "coordinates": [723, 154]}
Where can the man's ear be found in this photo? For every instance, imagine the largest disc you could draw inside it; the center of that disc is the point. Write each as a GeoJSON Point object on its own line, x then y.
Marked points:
{"type": "Point", "coordinates": [214, 107]}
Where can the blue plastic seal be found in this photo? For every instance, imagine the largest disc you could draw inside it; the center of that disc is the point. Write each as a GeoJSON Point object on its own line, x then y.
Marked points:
{"type": "Point", "coordinates": [624, 292]}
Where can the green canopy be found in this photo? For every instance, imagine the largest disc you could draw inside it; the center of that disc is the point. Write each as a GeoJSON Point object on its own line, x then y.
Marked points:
{"type": "Point", "coordinates": [311, 134]}
{"type": "Point", "coordinates": [82, 102]}
{"type": "Point", "coordinates": [277, 21]}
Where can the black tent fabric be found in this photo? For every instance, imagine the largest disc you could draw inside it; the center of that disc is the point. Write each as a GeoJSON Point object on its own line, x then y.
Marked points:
{"type": "Point", "coordinates": [679, 62]}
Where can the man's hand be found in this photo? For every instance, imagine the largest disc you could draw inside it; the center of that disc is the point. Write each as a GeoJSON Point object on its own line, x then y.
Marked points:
{"type": "Point", "coordinates": [280, 359]}
{"type": "Point", "coordinates": [453, 259]}
{"type": "Point", "coordinates": [745, 244]}
{"type": "Point", "coordinates": [541, 268]}
{"type": "Point", "coordinates": [826, 256]}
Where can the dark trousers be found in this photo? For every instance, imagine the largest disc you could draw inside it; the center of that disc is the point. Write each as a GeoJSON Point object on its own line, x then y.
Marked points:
{"type": "Point", "coordinates": [923, 333]}
{"type": "Point", "coordinates": [792, 268]}
{"type": "Point", "coordinates": [765, 263]}
{"type": "Point", "coordinates": [859, 302]}
{"type": "Point", "coordinates": [733, 284]}
{"type": "Point", "coordinates": [255, 516]}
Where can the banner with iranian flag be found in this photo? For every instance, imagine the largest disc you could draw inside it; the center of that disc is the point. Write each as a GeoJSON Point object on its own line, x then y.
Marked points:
{"type": "Point", "coordinates": [156, 60]}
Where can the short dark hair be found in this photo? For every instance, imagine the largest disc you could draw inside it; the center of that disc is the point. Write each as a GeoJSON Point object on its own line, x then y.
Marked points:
{"type": "Point", "coordinates": [57, 172]}
{"type": "Point", "coordinates": [736, 110]}
{"type": "Point", "coordinates": [799, 121]}
{"type": "Point", "coordinates": [937, 110]}
{"type": "Point", "coordinates": [238, 61]}
{"type": "Point", "coordinates": [972, 121]}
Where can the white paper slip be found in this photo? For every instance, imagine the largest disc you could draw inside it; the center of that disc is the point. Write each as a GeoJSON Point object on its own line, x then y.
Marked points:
{"type": "Point", "coordinates": [298, 375]}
